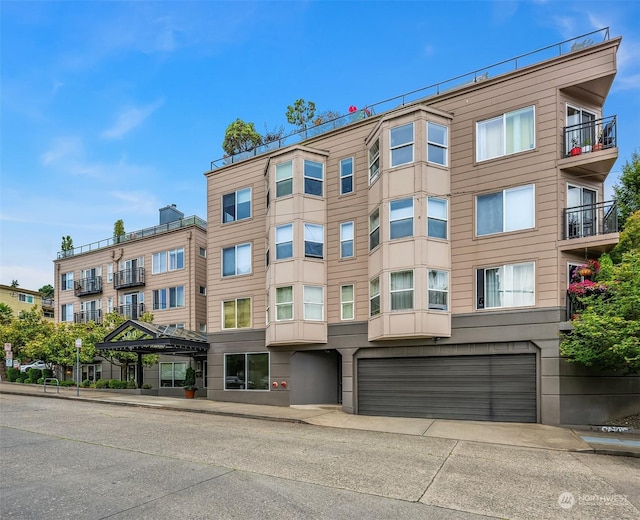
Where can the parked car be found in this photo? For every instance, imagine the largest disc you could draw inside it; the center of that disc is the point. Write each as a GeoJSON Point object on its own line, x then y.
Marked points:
{"type": "Point", "coordinates": [34, 364]}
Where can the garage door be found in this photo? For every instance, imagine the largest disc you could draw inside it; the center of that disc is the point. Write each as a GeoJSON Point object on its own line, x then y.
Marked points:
{"type": "Point", "coordinates": [480, 388]}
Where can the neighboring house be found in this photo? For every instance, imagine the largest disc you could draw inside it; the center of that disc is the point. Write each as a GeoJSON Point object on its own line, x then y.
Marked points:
{"type": "Point", "coordinates": [20, 299]}
{"type": "Point", "coordinates": [161, 269]}
{"type": "Point", "coordinates": [414, 261]}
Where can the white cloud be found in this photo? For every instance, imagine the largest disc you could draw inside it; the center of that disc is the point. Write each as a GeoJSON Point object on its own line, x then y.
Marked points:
{"type": "Point", "coordinates": [129, 119]}
{"type": "Point", "coordinates": [61, 149]}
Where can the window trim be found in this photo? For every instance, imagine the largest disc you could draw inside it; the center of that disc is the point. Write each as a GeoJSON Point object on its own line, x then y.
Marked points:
{"type": "Point", "coordinates": [446, 291]}
{"type": "Point", "coordinates": [278, 257]}
{"type": "Point", "coordinates": [306, 177]}
{"type": "Point", "coordinates": [235, 205]}
{"type": "Point", "coordinates": [285, 303]}
{"type": "Point", "coordinates": [374, 229]}
{"type": "Point", "coordinates": [306, 226]}
{"type": "Point", "coordinates": [393, 148]}
{"type": "Point", "coordinates": [396, 291]}
{"type": "Point", "coordinates": [396, 220]}
{"type": "Point", "coordinates": [504, 212]}
{"type": "Point", "coordinates": [442, 146]}
{"type": "Point", "coordinates": [285, 179]}
{"type": "Point", "coordinates": [176, 253]}
{"type": "Point", "coordinates": [374, 161]}
{"type": "Point", "coordinates": [347, 176]}
{"type": "Point", "coordinates": [246, 370]}
{"type": "Point", "coordinates": [236, 321]}
{"type": "Point", "coordinates": [344, 241]}
{"type": "Point", "coordinates": [155, 296]}
{"type": "Point", "coordinates": [438, 219]}
{"type": "Point", "coordinates": [351, 302]}
{"type": "Point", "coordinates": [480, 284]}
{"type": "Point", "coordinates": [375, 296]}
{"type": "Point", "coordinates": [503, 118]}
{"type": "Point", "coordinates": [315, 304]}
{"type": "Point", "coordinates": [235, 248]}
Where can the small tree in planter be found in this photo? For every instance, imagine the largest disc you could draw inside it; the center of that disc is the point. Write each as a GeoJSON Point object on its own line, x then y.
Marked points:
{"type": "Point", "coordinates": [190, 383]}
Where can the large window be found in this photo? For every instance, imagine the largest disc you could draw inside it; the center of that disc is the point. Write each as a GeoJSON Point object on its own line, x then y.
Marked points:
{"type": "Point", "coordinates": [507, 210]}
{"type": "Point", "coordinates": [347, 302]}
{"type": "Point", "coordinates": [374, 229]}
{"type": "Point", "coordinates": [313, 240]}
{"type": "Point", "coordinates": [236, 260]}
{"type": "Point", "coordinates": [236, 205]}
{"type": "Point", "coordinates": [401, 290]}
{"type": "Point", "coordinates": [438, 290]}
{"type": "Point", "coordinates": [374, 296]}
{"type": "Point", "coordinates": [506, 134]}
{"type": "Point", "coordinates": [284, 241]}
{"type": "Point", "coordinates": [25, 298]}
{"type": "Point", "coordinates": [346, 176]}
{"type": "Point", "coordinates": [313, 178]}
{"type": "Point", "coordinates": [401, 139]}
{"type": "Point", "coordinates": [436, 217]}
{"type": "Point", "coordinates": [346, 240]}
{"type": "Point", "coordinates": [246, 371]}
{"type": "Point", "coordinates": [505, 286]}
{"type": "Point", "coordinates": [236, 314]}
{"type": "Point", "coordinates": [437, 143]}
{"type": "Point", "coordinates": [66, 312]}
{"type": "Point", "coordinates": [284, 303]}
{"type": "Point", "coordinates": [168, 261]}
{"type": "Point", "coordinates": [66, 282]}
{"type": "Point", "coordinates": [313, 299]}
{"type": "Point", "coordinates": [172, 374]}
{"type": "Point", "coordinates": [401, 218]}
{"type": "Point", "coordinates": [374, 160]}
{"type": "Point", "coordinates": [284, 179]}
{"type": "Point", "coordinates": [170, 298]}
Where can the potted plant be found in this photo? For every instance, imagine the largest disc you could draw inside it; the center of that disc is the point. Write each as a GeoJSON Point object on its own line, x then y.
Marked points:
{"type": "Point", "coordinates": [190, 383]}
{"type": "Point", "coordinates": [586, 145]}
{"type": "Point", "coordinates": [598, 145]}
{"type": "Point", "coordinates": [575, 149]}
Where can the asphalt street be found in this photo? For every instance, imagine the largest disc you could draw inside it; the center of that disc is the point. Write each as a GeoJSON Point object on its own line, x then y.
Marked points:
{"type": "Point", "coordinates": [76, 459]}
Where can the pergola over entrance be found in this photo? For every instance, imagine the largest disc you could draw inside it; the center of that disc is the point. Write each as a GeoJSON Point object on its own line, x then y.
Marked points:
{"type": "Point", "coordinates": [141, 338]}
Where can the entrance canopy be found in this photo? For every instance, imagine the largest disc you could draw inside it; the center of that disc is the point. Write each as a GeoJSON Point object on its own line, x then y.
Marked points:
{"type": "Point", "coordinates": [148, 338]}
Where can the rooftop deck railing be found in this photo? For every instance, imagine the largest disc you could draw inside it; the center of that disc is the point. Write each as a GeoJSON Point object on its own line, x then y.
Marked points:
{"type": "Point", "coordinates": [476, 76]}
{"type": "Point", "coordinates": [136, 235]}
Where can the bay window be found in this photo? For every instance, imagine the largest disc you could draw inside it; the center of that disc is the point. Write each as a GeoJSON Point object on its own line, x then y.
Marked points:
{"type": "Point", "coordinates": [401, 290]}
{"type": "Point", "coordinates": [401, 218]}
{"type": "Point", "coordinates": [313, 303]}
{"type": "Point", "coordinates": [374, 160]}
{"type": "Point", "coordinates": [284, 179]}
{"type": "Point", "coordinates": [313, 178]}
{"type": "Point", "coordinates": [401, 144]}
{"type": "Point", "coordinates": [374, 296]}
{"type": "Point", "coordinates": [374, 229]}
{"type": "Point", "coordinates": [284, 242]}
{"type": "Point", "coordinates": [313, 240]}
{"type": "Point", "coordinates": [438, 290]}
{"type": "Point", "coordinates": [437, 143]}
{"type": "Point", "coordinates": [284, 303]}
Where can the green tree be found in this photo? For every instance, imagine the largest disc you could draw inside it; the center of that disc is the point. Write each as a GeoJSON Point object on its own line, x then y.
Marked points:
{"type": "Point", "coordinates": [629, 238]}
{"type": "Point", "coordinates": [240, 137]}
{"type": "Point", "coordinates": [627, 192]}
{"type": "Point", "coordinates": [67, 245]}
{"type": "Point", "coordinates": [606, 334]}
{"type": "Point", "coordinates": [14, 283]}
{"type": "Point", "coordinates": [46, 291]}
{"type": "Point", "coordinates": [6, 314]}
{"type": "Point", "coordinates": [301, 113]}
{"type": "Point", "coordinates": [118, 230]}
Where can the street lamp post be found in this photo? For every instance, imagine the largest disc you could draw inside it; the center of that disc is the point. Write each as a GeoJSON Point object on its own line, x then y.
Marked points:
{"type": "Point", "coordinates": [78, 347]}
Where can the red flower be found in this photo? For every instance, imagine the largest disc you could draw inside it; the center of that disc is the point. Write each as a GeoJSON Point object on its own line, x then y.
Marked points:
{"type": "Point", "coordinates": [353, 109]}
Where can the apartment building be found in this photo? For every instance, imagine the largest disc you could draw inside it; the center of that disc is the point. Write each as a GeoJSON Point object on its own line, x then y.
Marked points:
{"type": "Point", "coordinates": [412, 259]}
{"type": "Point", "coordinates": [161, 270]}
{"type": "Point", "coordinates": [20, 299]}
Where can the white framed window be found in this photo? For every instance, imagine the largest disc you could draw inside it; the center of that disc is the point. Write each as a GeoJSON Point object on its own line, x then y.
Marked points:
{"type": "Point", "coordinates": [284, 303]}
{"type": "Point", "coordinates": [581, 128]}
{"type": "Point", "coordinates": [172, 374]}
{"type": "Point", "coordinates": [236, 206]}
{"type": "Point", "coordinates": [284, 179]}
{"type": "Point", "coordinates": [507, 210]}
{"type": "Point", "coordinates": [284, 241]}
{"type": "Point", "coordinates": [374, 229]}
{"type": "Point", "coordinates": [170, 298]}
{"type": "Point", "coordinates": [25, 298]}
{"type": "Point", "coordinates": [401, 144]}
{"type": "Point", "coordinates": [110, 272]}
{"type": "Point", "coordinates": [236, 314]}
{"type": "Point", "coordinates": [203, 290]}
{"type": "Point", "coordinates": [246, 371]}
{"type": "Point", "coordinates": [401, 218]}
{"type": "Point", "coordinates": [236, 260]}
{"type": "Point", "coordinates": [511, 285]}
{"type": "Point", "coordinates": [438, 289]}
{"type": "Point", "coordinates": [346, 240]}
{"type": "Point", "coordinates": [167, 261]}
{"type": "Point", "coordinates": [202, 327]}
{"type": "Point", "coordinates": [437, 143]}
{"type": "Point", "coordinates": [313, 178]}
{"type": "Point", "coordinates": [401, 290]}
{"type": "Point", "coordinates": [437, 217]}
{"type": "Point", "coordinates": [581, 214]}
{"type": "Point", "coordinates": [374, 296]}
{"type": "Point", "coordinates": [506, 134]}
{"type": "Point", "coordinates": [66, 282]}
{"type": "Point", "coordinates": [109, 304]}
{"type": "Point", "coordinates": [347, 302]}
{"type": "Point", "coordinates": [202, 252]}
{"type": "Point", "coordinates": [374, 161]}
{"type": "Point", "coordinates": [66, 312]}
{"type": "Point", "coordinates": [313, 240]}
{"type": "Point", "coordinates": [346, 176]}
{"type": "Point", "coordinates": [313, 302]}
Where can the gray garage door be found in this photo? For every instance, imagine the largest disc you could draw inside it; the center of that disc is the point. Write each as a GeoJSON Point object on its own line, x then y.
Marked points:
{"type": "Point", "coordinates": [479, 388]}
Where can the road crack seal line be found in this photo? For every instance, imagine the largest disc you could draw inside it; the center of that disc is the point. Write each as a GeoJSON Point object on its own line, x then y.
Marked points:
{"type": "Point", "coordinates": [438, 471]}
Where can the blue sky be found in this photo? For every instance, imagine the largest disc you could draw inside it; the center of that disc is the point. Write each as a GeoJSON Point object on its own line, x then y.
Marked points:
{"type": "Point", "coordinates": [112, 110]}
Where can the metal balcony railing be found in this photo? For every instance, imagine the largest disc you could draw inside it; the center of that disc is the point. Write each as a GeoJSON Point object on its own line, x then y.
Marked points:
{"type": "Point", "coordinates": [590, 220]}
{"type": "Point", "coordinates": [86, 286]}
{"type": "Point", "coordinates": [87, 316]}
{"type": "Point", "coordinates": [591, 136]}
{"type": "Point", "coordinates": [128, 278]}
{"type": "Point", "coordinates": [48, 302]}
{"type": "Point", "coordinates": [130, 311]}
{"type": "Point", "coordinates": [574, 306]}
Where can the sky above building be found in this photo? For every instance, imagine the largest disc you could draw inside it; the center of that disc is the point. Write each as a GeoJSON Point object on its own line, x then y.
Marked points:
{"type": "Point", "coordinates": [112, 110]}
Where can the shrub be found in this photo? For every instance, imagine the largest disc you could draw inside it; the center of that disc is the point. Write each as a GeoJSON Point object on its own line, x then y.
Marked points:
{"type": "Point", "coordinates": [21, 379]}
{"type": "Point", "coordinates": [12, 374]}
{"type": "Point", "coordinates": [47, 372]}
{"type": "Point", "coordinates": [85, 384]}
{"type": "Point", "coordinates": [116, 384]}
{"type": "Point", "coordinates": [131, 384]}
{"type": "Point", "coordinates": [102, 383]}
{"type": "Point", "coordinates": [40, 380]}
{"type": "Point", "coordinates": [146, 386]}
{"type": "Point", "coordinates": [67, 383]}
{"type": "Point", "coordinates": [34, 374]}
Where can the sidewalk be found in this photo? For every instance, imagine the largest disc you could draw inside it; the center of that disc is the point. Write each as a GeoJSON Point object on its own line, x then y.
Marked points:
{"type": "Point", "coordinates": [510, 434]}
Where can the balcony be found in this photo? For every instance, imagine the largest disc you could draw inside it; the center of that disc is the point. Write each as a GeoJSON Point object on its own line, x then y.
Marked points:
{"type": "Point", "coordinates": [128, 278]}
{"type": "Point", "coordinates": [590, 149]}
{"type": "Point", "coordinates": [573, 306]}
{"type": "Point", "coordinates": [87, 316]}
{"type": "Point", "coordinates": [87, 286]}
{"type": "Point", "coordinates": [592, 226]}
{"type": "Point", "coordinates": [130, 311]}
